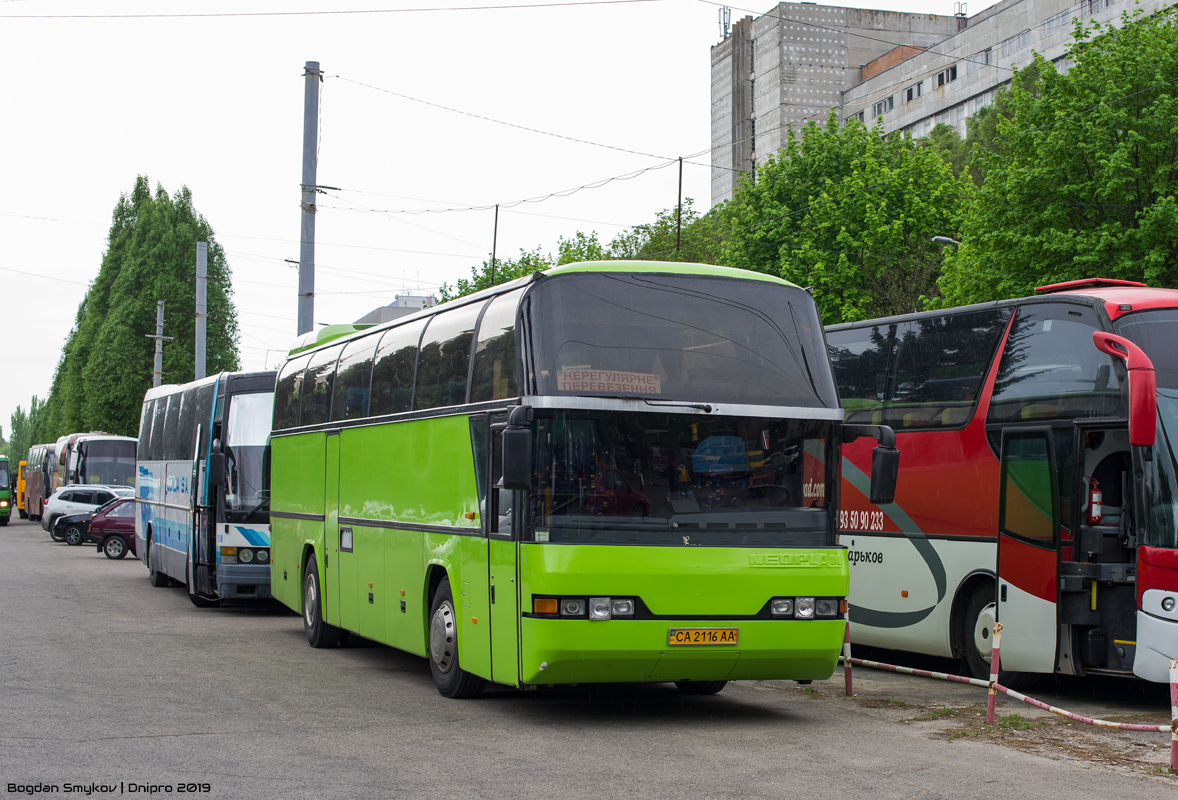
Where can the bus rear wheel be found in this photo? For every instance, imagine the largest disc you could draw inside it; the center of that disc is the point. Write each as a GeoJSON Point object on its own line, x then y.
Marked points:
{"type": "Point", "coordinates": [980, 617]}
{"type": "Point", "coordinates": [154, 576]}
{"type": "Point", "coordinates": [450, 678]}
{"type": "Point", "coordinates": [318, 632]}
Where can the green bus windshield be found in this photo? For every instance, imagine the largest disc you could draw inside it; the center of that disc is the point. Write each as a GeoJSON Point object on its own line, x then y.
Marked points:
{"type": "Point", "coordinates": [678, 337]}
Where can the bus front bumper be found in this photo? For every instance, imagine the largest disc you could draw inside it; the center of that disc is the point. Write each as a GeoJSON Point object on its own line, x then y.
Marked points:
{"type": "Point", "coordinates": [561, 651]}
{"type": "Point", "coordinates": [243, 581]}
{"type": "Point", "coordinates": [1157, 646]}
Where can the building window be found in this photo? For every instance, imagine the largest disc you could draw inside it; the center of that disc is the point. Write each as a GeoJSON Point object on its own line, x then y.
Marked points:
{"type": "Point", "coordinates": [1092, 6]}
{"type": "Point", "coordinates": [982, 59]}
{"type": "Point", "coordinates": [913, 92]}
{"type": "Point", "coordinates": [1016, 43]}
{"type": "Point", "coordinates": [1055, 24]}
{"type": "Point", "coordinates": [946, 76]}
{"type": "Point", "coordinates": [883, 106]}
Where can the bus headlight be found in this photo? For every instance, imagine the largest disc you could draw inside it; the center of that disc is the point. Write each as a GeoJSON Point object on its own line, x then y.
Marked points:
{"type": "Point", "coordinates": [804, 608]}
{"type": "Point", "coordinates": [600, 608]}
{"type": "Point", "coordinates": [572, 606]}
{"type": "Point", "coordinates": [826, 607]}
{"type": "Point", "coordinates": [1168, 604]}
{"type": "Point", "coordinates": [623, 607]}
{"type": "Point", "coordinates": [245, 555]}
{"type": "Point", "coordinates": [228, 555]}
{"type": "Point", "coordinates": [263, 556]}
{"type": "Point", "coordinates": [782, 607]}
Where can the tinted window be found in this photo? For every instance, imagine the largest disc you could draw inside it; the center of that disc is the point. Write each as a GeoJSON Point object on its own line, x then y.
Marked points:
{"type": "Point", "coordinates": [1050, 368]}
{"type": "Point", "coordinates": [392, 374]}
{"type": "Point", "coordinates": [103, 497]}
{"type": "Point", "coordinates": [187, 422]}
{"type": "Point", "coordinates": [288, 392]}
{"type": "Point", "coordinates": [443, 365]}
{"type": "Point", "coordinates": [860, 359]}
{"type": "Point", "coordinates": [939, 365]}
{"type": "Point", "coordinates": [171, 439]}
{"type": "Point", "coordinates": [353, 380]}
{"type": "Point", "coordinates": [1028, 496]}
{"type": "Point", "coordinates": [145, 419]}
{"type": "Point", "coordinates": [83, 497]}
{"type": "Point", "coordinates": [679, 337]}
{"type": "Point", "coordinates": [1155, 332]}
{"type": "Point", "coordinates": [494, 356]}
{"type": "Point", "coordinates": [157, 429]}
{"type": "Point", "coordinates": [924, 373]}
{"type": "Point", "coordinates": [317, 385]}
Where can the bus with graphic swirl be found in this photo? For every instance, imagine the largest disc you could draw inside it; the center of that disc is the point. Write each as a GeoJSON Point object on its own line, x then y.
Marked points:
{"type": "Point", "coordinates": [606, 472]}
{"type": "Point", "coordinates": [202, 516]}
{"type": "Point", "coordinates": [1040, 484]}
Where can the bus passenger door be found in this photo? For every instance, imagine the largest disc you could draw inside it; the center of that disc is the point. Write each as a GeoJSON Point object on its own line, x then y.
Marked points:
{"type": "Point", "coordinates": [340, 590]}
{"type": "Point", "coordinates": [1028, 551]}
{"type": "Point", "coordinates": [501, 527]}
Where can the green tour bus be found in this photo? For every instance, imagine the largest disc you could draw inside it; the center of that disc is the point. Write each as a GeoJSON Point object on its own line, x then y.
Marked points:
{"type": "Point", "coordinates": [606, 472]}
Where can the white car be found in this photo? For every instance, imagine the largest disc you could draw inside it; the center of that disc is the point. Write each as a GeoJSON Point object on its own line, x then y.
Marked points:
{"type": "Point", "coordinates": [78, 499]}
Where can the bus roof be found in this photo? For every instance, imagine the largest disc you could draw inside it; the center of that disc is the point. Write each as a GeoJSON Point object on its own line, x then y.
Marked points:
{"type": "Point", "coordinates": [329, 333]}
{"type": "Point", "coordinates": [1118, 297]}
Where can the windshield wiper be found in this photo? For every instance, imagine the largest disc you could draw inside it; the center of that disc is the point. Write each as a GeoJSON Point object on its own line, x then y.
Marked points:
{"type": "Point", "coordinates": [704, 407]}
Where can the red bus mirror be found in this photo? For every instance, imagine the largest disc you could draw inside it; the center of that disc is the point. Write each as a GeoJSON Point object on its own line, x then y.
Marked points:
{"type": "Point", "coordinates": [1143, 386]}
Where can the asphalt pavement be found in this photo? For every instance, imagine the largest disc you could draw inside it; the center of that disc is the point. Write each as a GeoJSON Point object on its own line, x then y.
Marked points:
{"type": "Point", "coordinates": [109, 687]}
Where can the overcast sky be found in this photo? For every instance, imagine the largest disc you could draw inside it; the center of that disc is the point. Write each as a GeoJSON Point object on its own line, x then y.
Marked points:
{"type": "Point", "coordinates": [436, 106]}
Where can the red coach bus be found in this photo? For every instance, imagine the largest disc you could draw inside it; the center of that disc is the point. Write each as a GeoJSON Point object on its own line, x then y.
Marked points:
{"type": "Point", "coordinates": [1039, 485]}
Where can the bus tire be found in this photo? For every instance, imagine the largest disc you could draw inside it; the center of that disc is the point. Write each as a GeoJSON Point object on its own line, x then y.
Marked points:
{"type": "Point", "coordinates": [449, 676]}
{"type": "Point", "coordinates": [73, 535]}
{"type": "Point", "coordinates": [700, 688]}
{"type": "Point", "coordinates": [979, 633]}
{"type": "Point", "coordinates": [154, 576]}
{"type": "Point", "coordinates": [319, 633]}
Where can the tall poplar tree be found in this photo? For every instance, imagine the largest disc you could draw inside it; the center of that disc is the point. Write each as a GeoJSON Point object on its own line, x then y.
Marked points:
{"type": "Point", "coordinates": [106, 365]}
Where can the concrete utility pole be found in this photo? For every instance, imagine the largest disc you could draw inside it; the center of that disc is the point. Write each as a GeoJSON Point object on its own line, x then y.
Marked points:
{"type": "Point", "coordinates": [157, 376]}
{"type": "Point", "coordinates": [312, 78]}
{"type": "Point", "coordinates": [202, 309]}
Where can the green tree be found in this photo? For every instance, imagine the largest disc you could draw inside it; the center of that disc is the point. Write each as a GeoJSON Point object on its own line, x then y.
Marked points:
{"type": "Point", "coordinates": [675, 235]}
{"type": "Point", "coordinates": [483, 277]}
{"type": "Point", "coordinates": [1081, 181]}
{"type": "Point", "coordinates": [23, 428]}
{"type": "Point", "coordinates": [850, 213]}
{"type": "Point", "coordinates": [582, 247]}
{"type": "Point", "coordinates": [106, 364]}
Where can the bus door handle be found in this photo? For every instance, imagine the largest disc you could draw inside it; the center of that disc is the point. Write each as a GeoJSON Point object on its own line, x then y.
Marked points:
{"type": "Point", "coordinates": [1002, 593]}
{"type": "Point", "coordinates": [492, 594]}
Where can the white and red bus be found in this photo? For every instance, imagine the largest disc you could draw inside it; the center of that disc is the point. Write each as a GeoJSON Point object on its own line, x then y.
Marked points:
{"type": "Point", "coordinates": [1039, 485]}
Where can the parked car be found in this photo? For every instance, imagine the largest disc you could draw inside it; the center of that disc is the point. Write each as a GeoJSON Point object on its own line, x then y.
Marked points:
{"type": "Point", "coordinates": [113, 527]}
{"type": "Point", "coordinates": [71, 528]}
{"type": "Point", "coordinates": [77, 499]}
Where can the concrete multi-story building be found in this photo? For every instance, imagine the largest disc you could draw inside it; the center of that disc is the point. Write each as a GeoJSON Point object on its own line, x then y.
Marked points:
{"type": "Point", "coordinates": [910, 71]}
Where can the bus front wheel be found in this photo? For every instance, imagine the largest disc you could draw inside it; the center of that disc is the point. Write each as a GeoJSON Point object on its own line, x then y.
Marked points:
{"type": "Point", "coordinates": [319, 633]}
{"type": "Point", "coordinates": [450, 678]}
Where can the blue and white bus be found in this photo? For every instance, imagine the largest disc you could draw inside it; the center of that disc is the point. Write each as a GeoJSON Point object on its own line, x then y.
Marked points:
{"type": "Point", "coordinates": [204, 512]}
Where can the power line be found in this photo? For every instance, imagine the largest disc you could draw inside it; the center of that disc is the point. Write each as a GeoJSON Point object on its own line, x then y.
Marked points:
{"type": "Point", "coordinates": [422, 10]}
{"type": "Point", "coordinates": [499, 121]}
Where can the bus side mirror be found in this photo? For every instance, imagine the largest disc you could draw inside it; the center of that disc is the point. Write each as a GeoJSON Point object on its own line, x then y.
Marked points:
{"type": "Point", "coordinates": [517, 450]}
{"type": "Point", "coordinates": [1143, 386]}
{"type": "Point", "coordinates": [885, 469]}
{"type": "Point", "coordinates": [215, 468]}
{"type": "Point", "coordinates": [885, 460]}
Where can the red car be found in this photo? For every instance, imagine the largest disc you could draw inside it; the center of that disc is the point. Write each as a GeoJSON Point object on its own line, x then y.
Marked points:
{"type": "Point", "coordinates": [113, 527]}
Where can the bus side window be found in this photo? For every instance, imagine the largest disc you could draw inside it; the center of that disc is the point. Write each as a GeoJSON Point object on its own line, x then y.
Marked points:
{"type": "Point", "coordinates": [145, 420]}
{"type": "Point", "coordinates": [288, 393]}
{"type": "Point", "coordinates": [317, 385]}
{"type": "Point", "coordinates": [1051, 370]}
{"type": "Point", "coordinates": [494, 357]}
{"type": "Point", "coordinates": [860, 359]}
{"type": "Point", "coordinates": [173, 447]}
{"type": "Point", "coordinates": [353, 380]}
{"type": "Point", "coordinates": [393, 369]}
{"type": "Point", "coordinates": [443, 364]}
